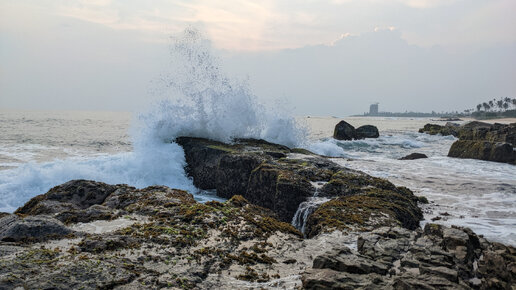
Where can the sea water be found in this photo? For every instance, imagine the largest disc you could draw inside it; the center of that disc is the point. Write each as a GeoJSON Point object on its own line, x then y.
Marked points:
{"type": "Point", "coordinates": [39, 150]}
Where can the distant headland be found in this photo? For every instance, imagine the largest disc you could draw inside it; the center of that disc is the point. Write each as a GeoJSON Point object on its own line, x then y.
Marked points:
{"type": "Point", "coordinates": [493, 109]}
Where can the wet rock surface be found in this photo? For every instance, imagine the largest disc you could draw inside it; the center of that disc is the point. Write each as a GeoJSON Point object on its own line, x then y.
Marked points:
{"type": "Point", "coordinates": [367, 131]}
{"type": "Point", "coordinates": [414, 156]}
{"type": "Point", "coordinates": [479, 140]}
{"type": "Point", "coordinates": [345, 131]}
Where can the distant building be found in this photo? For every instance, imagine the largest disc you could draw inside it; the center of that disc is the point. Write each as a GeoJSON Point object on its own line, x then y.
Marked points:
{"type": "Point", "coordinates": [373, 109]}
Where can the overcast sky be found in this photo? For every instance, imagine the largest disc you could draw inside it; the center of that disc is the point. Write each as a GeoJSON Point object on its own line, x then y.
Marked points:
{"type": "Point", "coordinates": [324, 57]}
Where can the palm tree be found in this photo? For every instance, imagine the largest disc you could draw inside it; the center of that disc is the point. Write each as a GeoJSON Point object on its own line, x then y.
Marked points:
{"type": "Point", "coordinates": [506, 105]}
{"type": "Point", "coordinates": [479, 106]}
{"type": "Point", "coordinates": [486, 106]}
{"type": "Point", "coordinates": [499, 104]}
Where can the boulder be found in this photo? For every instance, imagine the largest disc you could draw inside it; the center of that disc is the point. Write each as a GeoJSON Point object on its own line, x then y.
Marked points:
{"type": "Point", "coordinates": [74, 194]}
{"type": "Point", "coordinates": [413, 156]}
{"type": "Point", "coordinates": [344, 131]}
{"type": "Point", "coordinates": [483, 150]}
{"type": "Point", "coordinates": [367, 131]}
{"type": "Point", "coordinates": [31, 229]}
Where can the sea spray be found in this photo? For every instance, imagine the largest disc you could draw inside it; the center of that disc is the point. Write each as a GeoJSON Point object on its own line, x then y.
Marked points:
{"type": "Point", "coordinates": [200, 101]}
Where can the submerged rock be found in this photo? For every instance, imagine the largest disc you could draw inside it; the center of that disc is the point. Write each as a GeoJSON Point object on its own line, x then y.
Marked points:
{"type": "Point", "coordinates": [413, 156]}
{"type": "Point", "coordinates": [344, 131]}
{"type": "Point", "coordinates": [367, 131]}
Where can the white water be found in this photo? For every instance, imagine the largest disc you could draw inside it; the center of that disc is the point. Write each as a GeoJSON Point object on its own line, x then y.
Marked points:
{"type": "Point", "coordinates": [198, 100]}
{"type": "Point", "coordinates": [466, 192]}
{"type": "Point", "coordinates": [306, 208]}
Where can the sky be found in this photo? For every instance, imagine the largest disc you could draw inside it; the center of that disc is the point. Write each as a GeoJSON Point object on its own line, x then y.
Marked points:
{"type": "Point", "coordinates": [330, 57]}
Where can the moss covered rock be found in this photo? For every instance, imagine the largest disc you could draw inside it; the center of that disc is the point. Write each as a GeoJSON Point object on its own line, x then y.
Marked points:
{"type": "Point", "coordinates": [483, 150]}
{"type": "Point", "coordinates": [367, 210]}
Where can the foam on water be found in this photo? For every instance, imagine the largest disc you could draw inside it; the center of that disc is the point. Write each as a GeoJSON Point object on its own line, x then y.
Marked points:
{"type": "Point", "coordinates": [472, 193]}
{"type": "Point", "coordinates": [199, 101]}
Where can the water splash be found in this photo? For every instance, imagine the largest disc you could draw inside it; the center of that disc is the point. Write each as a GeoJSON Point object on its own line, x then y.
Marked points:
{"type": "Point", "coordinates": [306, 208]}
{"type": "Point", "coordinates": [198, 100]}
{"type": "Point", "coordinates": [203, 102]}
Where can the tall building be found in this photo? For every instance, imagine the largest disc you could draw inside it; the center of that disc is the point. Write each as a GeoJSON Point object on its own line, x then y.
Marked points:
{"type": "Point", "coordinates": [373, 109]}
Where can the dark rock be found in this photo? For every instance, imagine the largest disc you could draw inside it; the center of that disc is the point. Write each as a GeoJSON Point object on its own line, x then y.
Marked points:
{"type": "Point", "coordinates": [344, 131]}
{"type": "Point", "coordinates": [370, 209]}
{"type": "Point", "coordinates": [322, 279]}
{"type": "Point", "coordinates": [479, 140]}
{"type": "Point", "coordinates": [343, 260]}
{"type": "Point", "coordinates": [434, 129]}
{"type": "Point", "coordinates": [233, 173]}
{"type": "Point", "coordinates": [367, 131]}
{"type": "Point", "coordinates": [278, 189]}
{"type": "Point", "coordinates": [414, 156]}
{"type": "Point", "coordinates": [31, 229]}
{"type": "Point", "coordinates": [436, 258]}
{"type": "Point", "coordinates": [483, 150]}
{"type": "Point", "coordinates": [73, 194]}
{"type": "Point", "coordinates": [92, 213]}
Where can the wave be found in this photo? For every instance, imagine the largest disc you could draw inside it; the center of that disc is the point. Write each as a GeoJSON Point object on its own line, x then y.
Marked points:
{"type": "Point", "coordinates": [198, 100]}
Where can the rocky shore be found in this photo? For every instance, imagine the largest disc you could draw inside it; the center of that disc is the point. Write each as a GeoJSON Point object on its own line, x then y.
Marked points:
{"type": "Point", "coordinates": [292, 219]}
{"type": "Point", "coordinates": [479, 140]}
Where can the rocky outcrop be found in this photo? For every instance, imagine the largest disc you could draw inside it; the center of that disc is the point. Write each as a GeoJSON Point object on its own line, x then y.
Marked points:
{"type": "Point", "coordinates": [436, 258]}
{"type": "Point", "coordinates": [483, 150]}
{"type": "Point", "coordinates": [273, 176]}
{"type": "Point", "coordinates": [479, 140]}
{"type": "Point", "coordinates": [414, 156]}
{"type": "Point", "coordinates": [345, 131]}
{"type": "Point", "coordinates": [367, 131]}
{"type": "Point", "coordinates": [159, 237]}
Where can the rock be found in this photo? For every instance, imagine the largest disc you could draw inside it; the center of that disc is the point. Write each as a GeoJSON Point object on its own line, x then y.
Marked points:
{"type": "Point", "coordinates": [479, 140]}
{"type": "Point", "coordinates": [414, 260]}
{"type": "Point", "coordinates": [367, 131]}
{"type": "Point", "coordinates": [344, 131]}
{"type": "Point", "coordinates": [74, 194]}
{"type": "Point", "coordinates": [257, 170]}
{"type": "Point", "coordinates": [483, 150]}
{"type": "Point", "coordinates": [368, 210]}
{"type": "Point", "coordinates": [446, 273]}
{"type": "Point", "coordinates": [434, 129]}
{"type": "Point", "coordinates": [31, 229]}
{"type": "Point", "coordinates": [413, 156]}
{"type": "Point", "coordinates": [322, 279]}
{"type": "Point", "coordinates": [162, 237]}
{"type": "Point", "coordinates": [343, 260]}
{"type": "Point", "coordinates": [278, 189]}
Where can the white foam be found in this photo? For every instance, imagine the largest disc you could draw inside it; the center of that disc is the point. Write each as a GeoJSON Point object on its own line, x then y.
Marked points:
{"type": "Point", "coordinates": [204, 103]}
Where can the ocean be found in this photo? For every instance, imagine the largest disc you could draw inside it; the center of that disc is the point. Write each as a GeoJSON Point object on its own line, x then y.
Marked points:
{"type": "Point", "coordinates": [41, 149]}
